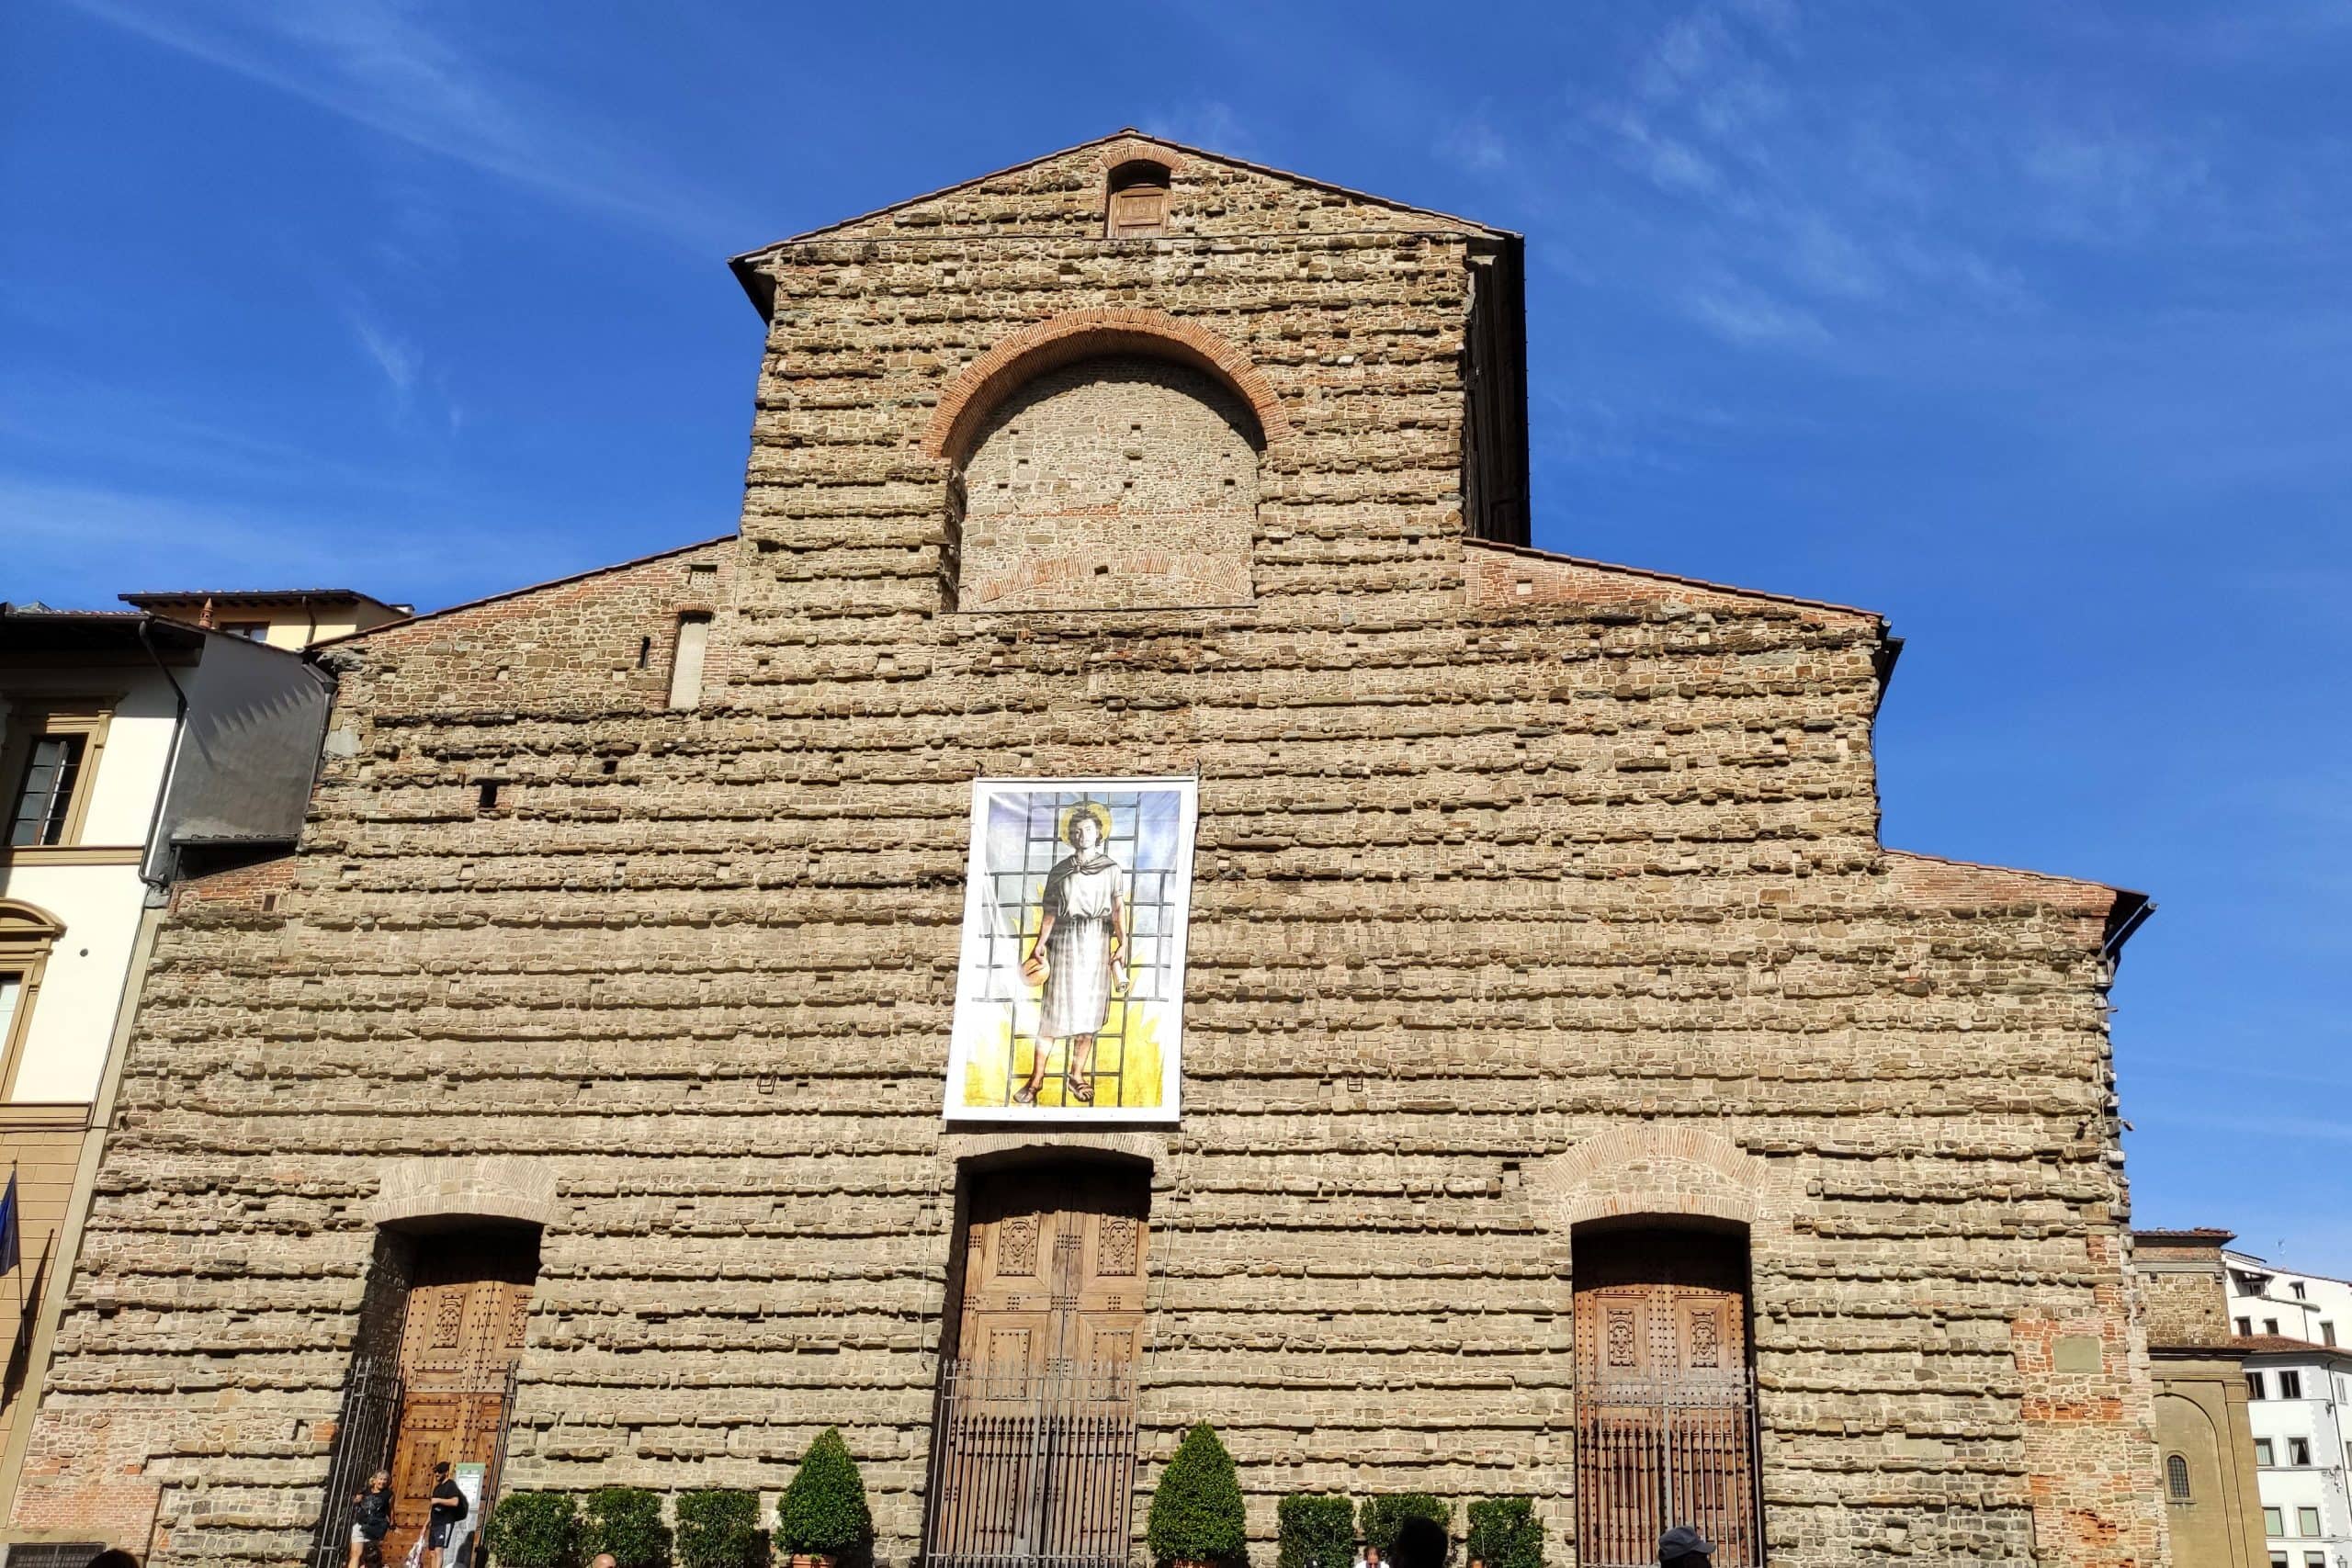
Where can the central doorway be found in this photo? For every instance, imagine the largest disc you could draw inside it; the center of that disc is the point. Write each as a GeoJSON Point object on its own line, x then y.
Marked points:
{"type": "Point", "coordinates": [1033, 1442]}
{"type": "Point", "coordinates": [1666, 1409]}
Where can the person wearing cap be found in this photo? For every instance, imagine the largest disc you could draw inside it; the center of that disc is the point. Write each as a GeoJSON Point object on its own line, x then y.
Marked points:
{"type": "Point", "coordinates": [1686, 1548]}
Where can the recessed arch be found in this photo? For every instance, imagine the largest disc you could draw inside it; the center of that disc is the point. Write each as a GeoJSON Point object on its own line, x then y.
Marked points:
{"type": "Point", "coordinates": [1065, 339]}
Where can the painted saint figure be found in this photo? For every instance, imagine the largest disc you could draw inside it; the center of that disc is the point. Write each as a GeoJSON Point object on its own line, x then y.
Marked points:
{"type": "Point", "coordinates": [1077, 955]}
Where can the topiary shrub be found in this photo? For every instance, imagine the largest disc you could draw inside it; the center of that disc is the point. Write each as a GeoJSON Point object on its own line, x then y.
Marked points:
{"type": "Point", "coordinates": [1196, 1511]}
{"type": "Point", "coordinates": [1380, 1518]}
{"type": "Point", "coordinates": [535, 1530]}
{"type": "Point", "coordinates": [1316, 1532]}
{"type": "Point", "coordinates": [720, 1530]}
{"type": "Point", "coordinates": [1505, 1533]}
{"type": "Point", "coordinates": [823, 1512]}
{"type": "Point", "coordinates": [626, 1522]}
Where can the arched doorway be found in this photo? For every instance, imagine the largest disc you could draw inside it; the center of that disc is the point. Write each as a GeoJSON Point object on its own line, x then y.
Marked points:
{"type": "Point", "coordinates": [1033, 1442]}
{"type": "Point", "coordinates": [433, 1379]}
{"type": "Point", "coordinates": [1666, 1407]}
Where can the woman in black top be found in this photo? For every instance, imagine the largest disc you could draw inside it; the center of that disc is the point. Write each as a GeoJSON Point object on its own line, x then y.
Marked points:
{"type": "Point", "coordinates": [449, 1507]}
{"type": "Point", "coordinates": [373, 1522]}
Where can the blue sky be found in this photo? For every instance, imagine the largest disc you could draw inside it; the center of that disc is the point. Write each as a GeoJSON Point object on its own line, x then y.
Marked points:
{"type": "Point", "coordinates": [2027, 324]}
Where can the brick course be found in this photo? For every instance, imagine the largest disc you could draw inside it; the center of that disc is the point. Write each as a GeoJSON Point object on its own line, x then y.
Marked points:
{"type": "Point", "coordinates": [1528, 890]}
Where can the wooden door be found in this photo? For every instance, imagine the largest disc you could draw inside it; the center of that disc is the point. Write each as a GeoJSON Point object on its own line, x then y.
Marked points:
{"type": "Point", "coordinates": [1665, 1413]}
{"type": "Point", "coordinates": [1034, 1452]}
{"type": "Point", "coordinates": [1054, 1267]}
{"type": "Point", "coordinates": [466, 1312]}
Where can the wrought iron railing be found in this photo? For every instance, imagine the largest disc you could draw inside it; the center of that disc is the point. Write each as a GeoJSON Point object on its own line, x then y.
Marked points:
{"type": "Point", "coordinates": [1655, 1452]}
{"type": "Point", "coordinates": [363, 1445]}
{"type": "Point", "coordinates": [1032, 1466]}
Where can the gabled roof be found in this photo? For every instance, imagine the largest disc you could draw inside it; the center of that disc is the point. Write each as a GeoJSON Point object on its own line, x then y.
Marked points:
{"type": "Point", "coordinates": [413, 618]}
{"type": "Point", "coordinates": [1129, 133]}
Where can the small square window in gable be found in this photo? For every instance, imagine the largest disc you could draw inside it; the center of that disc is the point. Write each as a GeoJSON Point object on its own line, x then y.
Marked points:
{"type": "Point", "coordinates": [1136, 208]}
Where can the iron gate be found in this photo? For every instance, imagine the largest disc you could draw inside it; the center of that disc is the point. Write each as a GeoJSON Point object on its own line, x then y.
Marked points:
{"type": "Point", "coordinates": [1655, 1452]}
{"type": "Point", "coordinates": [363, 1445]}
{"type": "Point", "coordinates": [1032, 1467]}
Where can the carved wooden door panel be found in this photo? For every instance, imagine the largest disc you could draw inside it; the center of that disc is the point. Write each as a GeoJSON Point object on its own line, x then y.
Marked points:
{"type": "Point", "coordinates": [1035, 1452]}
{"type": "Point", "coordinates": [467, 1313]}
{"type": "Point", "coordinates": [1665, 1413]}
{"type": "Point", "coordinates": [1053, 1271]}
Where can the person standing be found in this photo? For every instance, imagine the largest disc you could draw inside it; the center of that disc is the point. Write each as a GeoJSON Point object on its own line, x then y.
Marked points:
{"type": "Point", "coordinates": [448, 1506]}
{"type": "Point", "coordinates": [373, 1521]}
{"type": "Point", "coordinates": [1683, 1547]}
{"type": "Point", "coordinates": [1076, 956]}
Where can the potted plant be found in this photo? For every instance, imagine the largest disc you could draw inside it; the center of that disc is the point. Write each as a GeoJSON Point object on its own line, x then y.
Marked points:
{"type": "Point", "coordinates": [535, 1530]}
{"type": "Point", "coordinates": [1196, 1516]}
{"type": "Point", "coordinates": [822, 1516]}
{"type": "Point", "coordinates": [720, 1529]}
{"type": "Point", "coordinates": [626, 1522]}
{"type": "Point", "coordinates": [1315, 1531]}
{"type": "Point", "coordinates": [1505, 1533]}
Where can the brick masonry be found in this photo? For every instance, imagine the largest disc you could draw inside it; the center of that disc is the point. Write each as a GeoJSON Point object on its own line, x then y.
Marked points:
{"type": "Point", "coordinates": [1528, 890]}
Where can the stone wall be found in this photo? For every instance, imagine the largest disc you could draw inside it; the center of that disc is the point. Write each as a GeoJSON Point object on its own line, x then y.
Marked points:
{"type": "Point", "coordinates": [1499, 854]}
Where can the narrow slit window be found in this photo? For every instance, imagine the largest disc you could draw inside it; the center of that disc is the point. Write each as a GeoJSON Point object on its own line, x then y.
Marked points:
{"type": "Point", "coordinates": [1139, 204]}
{"type": "Point", "coordinates": [686, 669]}
{"type": "Point", "coordinates": [644, 652]}
{"type": "Point", "coordinates": [486, 795]}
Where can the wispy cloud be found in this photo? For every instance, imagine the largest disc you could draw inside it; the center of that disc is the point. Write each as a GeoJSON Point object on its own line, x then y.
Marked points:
{"type": "Point", "coordinates": [1473, 144]}
{"type": "Point", "coordinates": [397, 358]}
{"type": "Point", "coordinates": [1747, 316]}
{"type": "Point", "coordinates": [1205, 122]}
{"type": "Point", "coordinates": [376, 63]}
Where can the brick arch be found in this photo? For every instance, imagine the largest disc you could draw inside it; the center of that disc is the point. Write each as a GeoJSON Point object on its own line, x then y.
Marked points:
{"type": "Point", "coordinates": [1656, 1169]}
{"type": "Point", "coordinates": [1088, 334]}
{"type": "Point", "coordinates": [464, 1186]}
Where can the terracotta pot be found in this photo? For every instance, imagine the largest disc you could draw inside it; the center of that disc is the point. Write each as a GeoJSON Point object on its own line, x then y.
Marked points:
{"type": "Point", "coordinates": [812, 1560]}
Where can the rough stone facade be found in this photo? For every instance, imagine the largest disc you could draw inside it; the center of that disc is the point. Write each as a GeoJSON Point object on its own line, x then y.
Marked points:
{"type": "Point", "coordinates": [1528, 891]}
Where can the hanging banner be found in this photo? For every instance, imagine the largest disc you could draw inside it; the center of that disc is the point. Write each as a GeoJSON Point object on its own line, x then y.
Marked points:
{"type": "Point", "coordinates": [1069, 996]}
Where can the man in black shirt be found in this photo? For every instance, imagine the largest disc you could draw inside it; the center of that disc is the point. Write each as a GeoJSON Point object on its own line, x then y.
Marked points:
{"type": "Point", "coordinates": [448, 1506]}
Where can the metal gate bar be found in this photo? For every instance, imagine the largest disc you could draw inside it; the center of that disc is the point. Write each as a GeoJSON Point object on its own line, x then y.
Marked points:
{"type": "Point", "coordinates": [1032, 1467]}
{"type": "Point", "coordinates": [363, 1445]}
{"type": "Point", "coordinates": [1654, 1452]}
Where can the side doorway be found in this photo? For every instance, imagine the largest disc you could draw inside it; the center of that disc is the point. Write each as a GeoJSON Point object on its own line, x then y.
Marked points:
{"type": "Point", "coordinates": [434, 1380]}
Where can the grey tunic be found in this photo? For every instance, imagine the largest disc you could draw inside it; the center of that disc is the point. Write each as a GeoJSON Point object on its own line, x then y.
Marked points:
{"type": "Point", "coordinates": [1079, 896]}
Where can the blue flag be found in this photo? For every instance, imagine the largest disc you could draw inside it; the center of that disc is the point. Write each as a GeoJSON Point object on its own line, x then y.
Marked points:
{"type": "Point", "coordinates": [12, 1251]}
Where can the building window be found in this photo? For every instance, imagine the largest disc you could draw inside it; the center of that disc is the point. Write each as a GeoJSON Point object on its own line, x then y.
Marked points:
{"type": "Point", "coordinates": [2315, 1559]}
{"type": "Point", "coordinates": [45, 796]}
{"type": "Point", "coordinates": [2177, 1478]}
{"type": "Point", "coordinates": [685, 668]}
{"type": "Point", "coordinates": [2299, 1450]}
{"type": "Point", "coordinates": [2254, 1386]}
{"type": "Point", "coordinates": [25, 936]}
{"type": "Point", "coordinates": [2297, 1286]}
{"type": "Point", "coordinates": [2279, 1559]}
{"type": "Point", "coordinates": [51, 763]}
{"type": "Point", "coordinates": [2270, 1326]}
{"type": "Point", "coordinates": [252, 631]}
{"type": "Point", "coordinates": [2326, 1332]}
{"type": "Point", "coordinates": [1139, 204]}
{"type": "Point", "coordinates": [2262, 1451]}
{"type": "Point", "coordinates": [2274, 1522]}
{"type": "Point", "coordinates": [2290, 1385]}
{"type": "Point", "coordinates": [2245, 1326]}
{"type": "Point", "coordinates": [2307, 1521]}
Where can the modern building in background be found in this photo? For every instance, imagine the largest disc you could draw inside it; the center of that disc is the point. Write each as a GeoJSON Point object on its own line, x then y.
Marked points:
{"type": "Point", "coordinates": [2292, 1328]}
{"type": "Point", "coordinates": [290, 618]}
{"type": "Point", "coordinates": [133, 749]}
{"type": "Point", "coordinates": [2205, 1443]}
